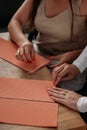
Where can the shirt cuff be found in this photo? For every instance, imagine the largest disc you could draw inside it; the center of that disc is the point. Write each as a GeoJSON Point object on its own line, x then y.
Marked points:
{"type": "Point", "coordinates": [82, 104]}
{"type": "Point", "coordinates": [80, 67]}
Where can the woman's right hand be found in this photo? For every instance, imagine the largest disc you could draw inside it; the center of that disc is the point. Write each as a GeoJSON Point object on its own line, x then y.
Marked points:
{"type": "Point", "coordinates": [26, 52]}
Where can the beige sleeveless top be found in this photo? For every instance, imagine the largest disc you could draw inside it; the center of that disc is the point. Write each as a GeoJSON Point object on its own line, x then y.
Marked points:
{"type": "Point", "coordinates": [57, 29]}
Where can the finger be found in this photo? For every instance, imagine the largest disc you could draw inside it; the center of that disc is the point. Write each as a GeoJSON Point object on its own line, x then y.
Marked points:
{"type": "Point", "coordinates": [52, 91]}
{"type": "Point", "coordinates": [59, 62]}
{"type": "Point", "coordinates": [64, 72]}
{"type": "Point", "coordinates": [55, 77]}
{"type": "Point", "coordinates": [57, 94]}
{"type": "Point", "coordinates": [68, 77]}
{"type": "Point", "coordinates": [17, 55]}
{"type": "Point", "coordinates": [57, 81]}
{"type": "Point", "coordinates": [58, 100]}
{"type": "Point", "coordinates": [32, 52]}
{"type": "Point", "coordinates": [58, 69]}
{"type": "Point", "coordinates": [22, 54]}
{"type": "Point", "coordinates": [53, 65]}
{"type": "Point", "coordinates": [54, 57]}
{"type": "Point", "coordinates": [60, 89]}
{"type": "Point", "coordinates": [27, 53]}
{"type": "Point", "coordinates": [54, 73]}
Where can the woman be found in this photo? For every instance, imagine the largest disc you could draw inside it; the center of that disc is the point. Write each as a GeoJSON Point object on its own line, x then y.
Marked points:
{"type": "Point", "coordinates": [62, 28]}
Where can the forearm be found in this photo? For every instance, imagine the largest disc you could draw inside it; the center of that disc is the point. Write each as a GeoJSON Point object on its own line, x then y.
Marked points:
{"type": "Point", "coordinates": [16, 33]}
{"type": "Point", "coordinates": [82, 104]}
{"type": "Point", "coordinates": [18, 22]}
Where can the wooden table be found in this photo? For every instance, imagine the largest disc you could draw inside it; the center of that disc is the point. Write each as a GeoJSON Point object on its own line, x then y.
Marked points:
{"type": "Point", "coordinates": [67, 119]}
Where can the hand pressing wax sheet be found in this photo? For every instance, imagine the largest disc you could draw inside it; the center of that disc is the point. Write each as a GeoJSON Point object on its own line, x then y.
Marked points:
{"type": "Point", "coordinates": [25, 89]}
{"type": "Point", "coordinates": [32, 113]}
{"type": "Point", "coordinates": [8, 51]}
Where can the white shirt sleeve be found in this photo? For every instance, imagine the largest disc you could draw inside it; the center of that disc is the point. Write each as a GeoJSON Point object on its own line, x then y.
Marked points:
{"type": "Point", "coordinates": [81, 61]}
{"type": "Point", "coordinates": [82, 104]}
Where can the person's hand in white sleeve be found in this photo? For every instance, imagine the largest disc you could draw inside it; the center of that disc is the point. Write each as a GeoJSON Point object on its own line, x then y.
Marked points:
{"type": "Point", "coordinates": [69, 98]}
{"type": "Point", "coordinates": [65, 72]}
{"type": "Point", "coordinates": [70, 71]}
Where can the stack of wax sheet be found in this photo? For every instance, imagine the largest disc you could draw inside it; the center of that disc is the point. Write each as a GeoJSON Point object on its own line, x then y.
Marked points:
{"type": "Point", "coordinates": [27, 102]}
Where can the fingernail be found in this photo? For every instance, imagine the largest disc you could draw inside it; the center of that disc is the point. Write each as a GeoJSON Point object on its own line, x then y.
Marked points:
{"type": "Point", "coordinates": [29, 62]}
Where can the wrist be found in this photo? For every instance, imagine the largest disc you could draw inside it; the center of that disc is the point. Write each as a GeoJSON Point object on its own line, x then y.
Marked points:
{"type": "Point", "coordinates": [76, 70]}
{"type": "Point", "coordinates": [24, 43]}
{"type": "Point", "coordinates": [77, 65]}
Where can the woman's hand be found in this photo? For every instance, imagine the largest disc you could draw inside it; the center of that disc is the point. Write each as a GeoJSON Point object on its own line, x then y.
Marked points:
{"type": "Point", "coordinates": [26, 52]}
{"type": "Point", "coordinates": [64, 72]}
{"type": "Point", "coordinates": [65, 97]}
{"type": "Point", "coordinates": [67, 57]}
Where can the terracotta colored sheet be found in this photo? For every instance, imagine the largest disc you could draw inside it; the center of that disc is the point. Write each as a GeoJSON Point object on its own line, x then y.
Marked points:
{"type": "Point", "coordinates": [25, 89]}
{"type": "Point", "coordinates": [42, 114]}
{"type": "Point", "coordinates": [8, 50]}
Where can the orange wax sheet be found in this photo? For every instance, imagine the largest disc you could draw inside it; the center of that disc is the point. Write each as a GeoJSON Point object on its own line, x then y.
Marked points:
{"type": "Point", "coordinates": [27, 102]}
{"type": "Point", "coordinates": [35, 113]}
{"type": "Point", "coordinates": [8, 51]}
{"type": "Point", "coordinates": [26, 89]}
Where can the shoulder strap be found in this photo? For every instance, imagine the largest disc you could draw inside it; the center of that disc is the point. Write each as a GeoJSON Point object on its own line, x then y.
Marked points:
{"type": "Point", "coordinates": [80, 2]}
{"type": "Point", "coordinates": [70, 2]}
{"type": "Point", "coordinates": [35, 6]}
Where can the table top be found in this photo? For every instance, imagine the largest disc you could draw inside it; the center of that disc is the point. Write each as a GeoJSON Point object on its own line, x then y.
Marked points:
{"type": "Point", "coordinates": [67, 118]}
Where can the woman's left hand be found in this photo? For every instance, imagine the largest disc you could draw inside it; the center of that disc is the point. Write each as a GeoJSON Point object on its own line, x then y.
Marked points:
{"type": "Point", "coordinates": [65, 97]}
{"type": "Point", "coordinates": [67, 57]}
